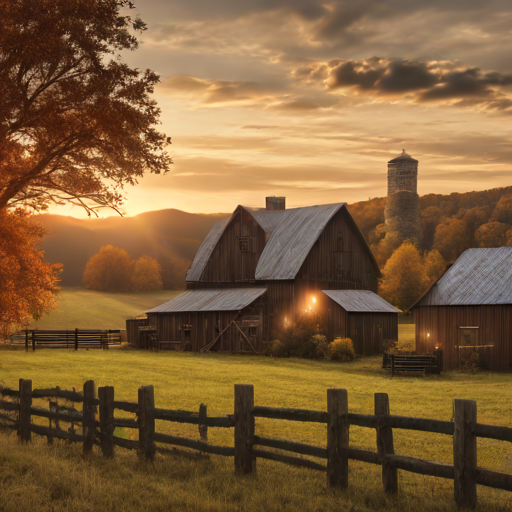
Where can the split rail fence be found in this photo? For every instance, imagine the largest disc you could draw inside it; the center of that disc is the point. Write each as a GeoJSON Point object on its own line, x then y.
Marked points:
{"type": "Point", "coordinates": [247, 448]}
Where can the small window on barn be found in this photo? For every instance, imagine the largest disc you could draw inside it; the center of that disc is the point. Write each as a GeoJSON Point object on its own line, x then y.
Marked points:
{"type": "Point", "coordinates": [243, 243]}
{"type": "Point", "coordinates": [468, 336]}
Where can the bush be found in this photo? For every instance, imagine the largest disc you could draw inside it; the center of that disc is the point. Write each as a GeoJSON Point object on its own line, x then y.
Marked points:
{"type": "Point", "coordinates": [277, 349]}
{"type": "Point", "coordinates": [299, 339]}
{"type": "Point", "coordinates": [321, 346]}
{"type": "Point", "coordinates": [342, 349]}
{"type": "Point", "coordinates": [469, 361]}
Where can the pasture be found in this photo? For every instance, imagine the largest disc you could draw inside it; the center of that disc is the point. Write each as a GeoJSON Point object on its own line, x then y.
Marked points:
{"type": "Point", "coordinates": [88, 309]}
{"type": "Point", "coordinates": [58, 478]}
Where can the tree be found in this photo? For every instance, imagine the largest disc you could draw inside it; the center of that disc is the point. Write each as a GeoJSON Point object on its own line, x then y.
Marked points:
{"type": "Point", "coordinates": [110, 270]}
{"type": "Point", "coordinates": [76, 123]}
{"type": "Point", "coordinates": [404, 277]}
{"type": "Point", "coordinates": [434, 265]}
{"type": "Point", "coordinates": [451, 238]}
{"type": "Point", "coordinates": [28, 283]}
{"type": "Point", "coordinates": [146, 274]}
{"type": "Point", "coordinates": [174, 271]}
{"type": "Point", "coordinates": [503, 211]}
{"type": "Point", "coordinates": [492, 234]}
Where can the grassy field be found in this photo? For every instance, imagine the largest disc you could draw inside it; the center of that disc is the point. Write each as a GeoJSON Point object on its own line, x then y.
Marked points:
{"type": "Point", "coordinates": [41, 478]}
{"type": "Point", "coordinates": [87, 309]}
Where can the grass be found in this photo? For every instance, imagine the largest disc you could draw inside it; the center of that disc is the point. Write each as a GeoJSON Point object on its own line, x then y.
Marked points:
{"type": "Point", "coordinates": [41, 478]}
{"type": "Point", "coordinates": [88, 309]}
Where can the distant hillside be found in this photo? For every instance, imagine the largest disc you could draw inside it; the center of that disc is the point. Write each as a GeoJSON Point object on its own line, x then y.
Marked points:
{"type": "Point", "coordinates": [160, 234]}
{"type": "Point", "coordinates": [449, 223]}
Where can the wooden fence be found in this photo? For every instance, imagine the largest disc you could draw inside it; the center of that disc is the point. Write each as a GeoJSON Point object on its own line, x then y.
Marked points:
{"type": "Point", "coordinates": [75, 338]}
{"type": "Point", "coordinates": [248, 445]}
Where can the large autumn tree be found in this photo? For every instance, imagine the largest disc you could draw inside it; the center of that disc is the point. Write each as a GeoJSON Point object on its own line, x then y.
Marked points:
{"type": "Point", "coordinates": [76, 123]}
{"type": "Point", "coordinates": [27, 283]}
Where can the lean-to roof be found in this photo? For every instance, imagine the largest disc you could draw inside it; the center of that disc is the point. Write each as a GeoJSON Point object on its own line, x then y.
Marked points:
{"type": "Point", "coordinates": [291, 233]}
{"type": "Point", "coordinates": [478, 277]}
{"type": "Point", "coordinates": [227, 299]}
{"type": "Point", "coordinates": [360, 301]}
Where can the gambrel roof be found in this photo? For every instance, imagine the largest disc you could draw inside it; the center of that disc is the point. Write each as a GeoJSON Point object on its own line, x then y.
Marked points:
{"type": "Point", "coordinates": [292, 233]}
{"type": "Point", "coordinates": [478, 277]}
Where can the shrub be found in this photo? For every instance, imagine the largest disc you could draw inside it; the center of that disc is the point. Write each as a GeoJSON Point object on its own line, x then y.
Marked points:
{"type": "Point", "coordinates": [469, 361]}
{"type": "Point", "coordinates": [277, 349]}
{"type": "Point", "coordinates": [299, 339]}
{"type": "Point", "coordinates": [321, 346]}
{"type": "Point", "coordinates": [342, 349]}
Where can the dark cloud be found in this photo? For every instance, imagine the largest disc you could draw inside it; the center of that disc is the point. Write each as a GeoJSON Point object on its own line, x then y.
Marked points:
{"type": "Point", "coordinates": [353, 73]}
{"type": "Point", "coordinates": [458, 84]}
{"type": "Point", "coordinates": [405, 76]}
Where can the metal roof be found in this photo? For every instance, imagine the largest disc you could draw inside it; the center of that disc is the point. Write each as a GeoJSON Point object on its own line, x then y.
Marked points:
{"type": "Point", "coordinates": [478, 277]}
{"type": "Point", "coordinates": [227, 299]}
{"type": "Point", "coordinates": [292, 239]}
{"type": "Point", "coordinates": [292, 234]}
{"type": "Point", "coordinates": [205, 250]}
{"type": "Point", "coordinates": [360, 301]}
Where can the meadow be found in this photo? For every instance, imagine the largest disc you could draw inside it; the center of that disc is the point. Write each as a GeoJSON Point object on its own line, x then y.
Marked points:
{"type": "Point", "coordinates": [88, 309]}
{"type": "Point", "coordinates": [39, 477]}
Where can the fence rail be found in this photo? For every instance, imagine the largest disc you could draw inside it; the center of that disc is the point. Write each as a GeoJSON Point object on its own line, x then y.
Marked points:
{"type": "Point", "coordinates": [99, 429]}
{"type": "Point", "coordinates": [75, 338]}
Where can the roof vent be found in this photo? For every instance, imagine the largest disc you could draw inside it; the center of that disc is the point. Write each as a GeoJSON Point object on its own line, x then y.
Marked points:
{"type": "Point", "coordinates": [275, 203]}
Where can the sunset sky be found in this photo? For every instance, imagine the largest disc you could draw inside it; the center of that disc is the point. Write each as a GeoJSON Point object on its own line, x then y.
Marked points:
{"type": "Point", "coordinates": [310, 99]}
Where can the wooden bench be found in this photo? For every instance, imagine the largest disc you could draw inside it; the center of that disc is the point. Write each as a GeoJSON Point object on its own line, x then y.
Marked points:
{"type": "Point", "coordinates": [413, 363]}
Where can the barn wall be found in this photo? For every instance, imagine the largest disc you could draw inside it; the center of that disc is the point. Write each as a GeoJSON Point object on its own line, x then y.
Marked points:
{"type": "Point", "coordinates": [339, 260]}
{"type": "Point", "coordinates": [229, 263]}
{"type": "Point", "coordinates": [443, 322]}
{"type": "Point", "coordinates": [206, 326]}
{"type": "Point", "coordinates": [369, 330]}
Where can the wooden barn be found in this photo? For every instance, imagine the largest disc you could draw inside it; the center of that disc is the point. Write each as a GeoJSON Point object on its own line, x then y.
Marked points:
{"type": "Point", "coordinates": [470, 308]}
{"type": "Point", "coordinates": [364, 317]}
{"type": "Point", "coordinates": [287, 257]}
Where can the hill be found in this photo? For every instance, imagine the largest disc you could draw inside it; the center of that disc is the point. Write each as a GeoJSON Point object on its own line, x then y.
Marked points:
{"type": "Point", "coordinates": [164, 234]}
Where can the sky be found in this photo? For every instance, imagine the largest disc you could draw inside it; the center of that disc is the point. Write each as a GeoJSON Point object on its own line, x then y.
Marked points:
{"type": "Point", "coordinates": [310, 99]}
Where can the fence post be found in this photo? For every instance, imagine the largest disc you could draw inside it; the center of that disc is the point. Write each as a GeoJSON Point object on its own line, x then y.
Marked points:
{"type": "Point", "coordinates": [76, 338]}
{"type": "Point", "coordinates": [33, 340]}
{"type": "Point", "coordinates": [337, 438]}
{"type": "Point", "coordinates": [147, 422]}
{"type": "Point", "coordinates": [89, 416]}
{"type": "Point", "coordinates": [245, 463]}
{"type": "Point", "coordinates": [106, 396]}
{"type": "Point", "coordinates": [464, 453]}
{"type": "Point", "coordinates": [203, 429]}
{"type": "Point", "coordinates": [385, 444]}
{"type": "Point", "coordinates": [24, 432]}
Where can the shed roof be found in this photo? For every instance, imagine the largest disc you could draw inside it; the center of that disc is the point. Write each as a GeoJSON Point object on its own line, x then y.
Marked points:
{"type": "Point", "coordinates": [227, 299]}
{"type": "Point", "coordinates": [360, 301]}
{"type": "Point", "coordinates": [478, 277]}
{"type": "Point", "coordinates": [292, 234]}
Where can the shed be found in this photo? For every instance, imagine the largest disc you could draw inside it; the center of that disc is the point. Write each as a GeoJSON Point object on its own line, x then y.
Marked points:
{"type": "Point", "coordinates": [228, 319]}
{"type": "Point", "coordinates": [362, 316]}
{"type": "Point", "coordinates": [470, 309]}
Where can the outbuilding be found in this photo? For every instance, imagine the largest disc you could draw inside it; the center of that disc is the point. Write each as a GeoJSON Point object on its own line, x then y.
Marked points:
{"type": "Point", "coordinates": [364, 317]}
{"type": "Point", "coordinates": [469, 309]}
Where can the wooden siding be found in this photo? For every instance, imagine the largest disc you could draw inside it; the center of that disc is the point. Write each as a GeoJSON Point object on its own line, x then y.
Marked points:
{"type": "Point", "coordinates": [443, 322]}
{"type": "Point", "coordinates": [339, 260]}
{"type": "Point", "coordinates": [228, 263]}
{"type": "Point", "coordinates": [204, 327]}
{"type": "Point", "coordinates": [366, 330]}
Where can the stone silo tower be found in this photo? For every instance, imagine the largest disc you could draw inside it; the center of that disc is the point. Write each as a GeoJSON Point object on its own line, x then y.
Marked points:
{"type": "Point", "coordinates": [402, 213]}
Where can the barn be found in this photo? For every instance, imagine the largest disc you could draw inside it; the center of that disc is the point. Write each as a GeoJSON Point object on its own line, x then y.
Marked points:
{"type": "Point", "coordinates": [364, 317]}
{"type": "Point", "coordinates": [470, 309]}
{"type": "Point", "coordinates": [287, 257]}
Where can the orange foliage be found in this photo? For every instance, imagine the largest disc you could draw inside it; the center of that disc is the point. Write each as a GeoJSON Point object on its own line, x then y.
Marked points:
{"type": "Point", "coordinates": [146, 274]}
{"type": "Point", "coordinates": [27, 282]}
{"type": "Point", "coordinates": [110, 270]}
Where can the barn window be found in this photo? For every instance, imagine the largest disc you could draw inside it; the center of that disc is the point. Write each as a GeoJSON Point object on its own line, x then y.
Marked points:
{"type": "Point", "coordinates": [468, 336]}
{"type": "Point", "coordinates": [340, 243]}
{"type": "Point", "coordinates": [243, 243]}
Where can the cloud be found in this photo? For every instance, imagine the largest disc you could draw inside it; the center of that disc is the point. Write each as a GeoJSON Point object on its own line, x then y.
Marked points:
{"type": "Point", "coordinates": [218, 92]}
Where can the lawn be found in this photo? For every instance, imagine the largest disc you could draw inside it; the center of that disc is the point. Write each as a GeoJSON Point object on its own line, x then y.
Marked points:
{"type": "Point", "coordinates": [184, 380]}
{"type": "Point", "coordinates": [88, 309]}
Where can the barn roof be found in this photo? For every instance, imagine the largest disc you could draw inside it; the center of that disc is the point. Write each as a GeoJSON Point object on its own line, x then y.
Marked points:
{"type": "Point", "coordinates": [478, 277]}
{"type": "Point", "coordinates": [226, 299]}
{"type": "Point", "coordinates": [360, 301]}
{"type": "Point", "coordinates": [292, 234]}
